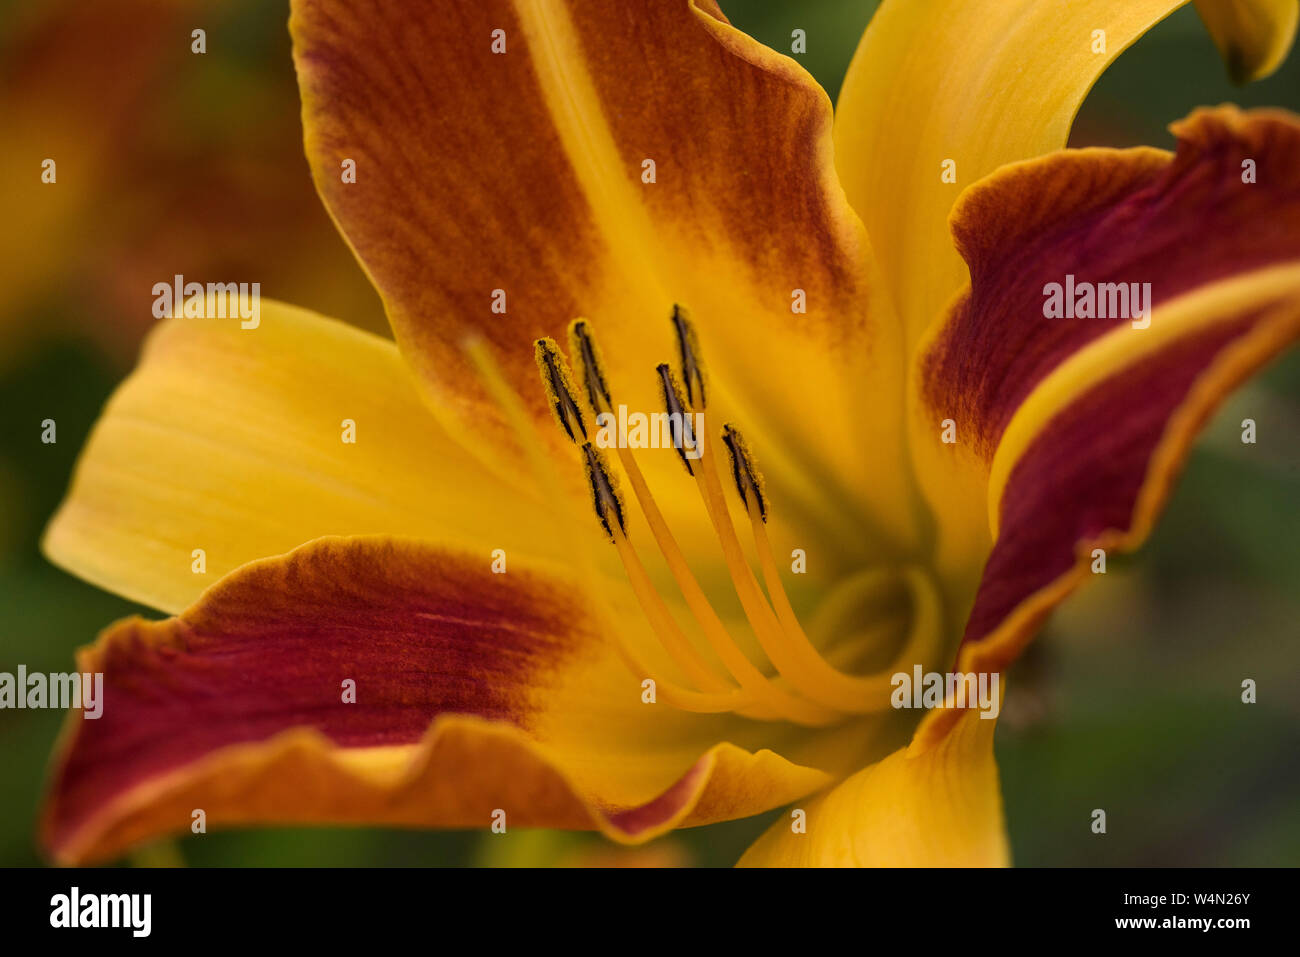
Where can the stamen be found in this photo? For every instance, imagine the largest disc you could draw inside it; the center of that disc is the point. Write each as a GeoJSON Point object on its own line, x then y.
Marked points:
{"type": "Point", "coordinates": [677, 411]}
{"type": "Point", "coordinates": [559, 387]}
{"type": "Point", "coordinates": [689, 350]}
{"type": "Point", "coordinates": [777, 701]}
{"type": "Point", "coordinates": [780, 635]}
{"type": "Point", "coordinates": [852, 693]}
{"type": "Point", "coordinates": [770, 700]}
{"type": "Point", "coordinates": [603, 491]}
{"type": "Point", "coordinates": [818, 693]}
{"type": "Point", "coordinates": [807, 497]}
{"type": "Point", "coordinates": [593, 371]}
{"type": "Point", "coordinates": [652, 603]}
{"type": "Point", "coordinates": [766, 627]}
{"type": "Point", "coordinates": [609, 509]}
{"type": "Point", "coordinates": [743, 471]}
{"type": "Point", "coordinates": [505, 396]}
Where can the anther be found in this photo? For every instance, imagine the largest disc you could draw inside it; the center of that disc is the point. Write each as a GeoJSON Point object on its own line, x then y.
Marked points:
{"type": "Point", "coordinates": [588, 356]}
{"type": "Point", "coordinates": [749, 481]}
{"type": "Point", "coordinates": [559, 387]}
{"type": "Point", "coordinates": [689, 349]}
{"type": "Point", "coordinates": [604, 493]}
{"type": "Point", "coordinates": [679, 420]}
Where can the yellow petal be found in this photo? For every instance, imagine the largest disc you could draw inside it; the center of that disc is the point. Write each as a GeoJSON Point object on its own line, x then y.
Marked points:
{"type": "Point", "coordinates": [1253, 36]}
{"type": "Point", "coordinates": [981, 83]}
{"type": "Point", "coordinates": [231, 441]}
{"type": "Point", "coordinates": [935, 803]}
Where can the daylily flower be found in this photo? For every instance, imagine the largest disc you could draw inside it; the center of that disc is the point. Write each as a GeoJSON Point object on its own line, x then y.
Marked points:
{"type": "Point", "coordinates": [429, 626]}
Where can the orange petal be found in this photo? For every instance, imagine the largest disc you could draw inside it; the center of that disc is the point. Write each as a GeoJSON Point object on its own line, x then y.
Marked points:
{"type": "Point", "coordinates": [526, 171]}
{"type": "Point", "coordinates": [472, 693]}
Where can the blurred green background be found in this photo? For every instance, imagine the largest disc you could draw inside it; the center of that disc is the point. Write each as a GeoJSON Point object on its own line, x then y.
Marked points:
{"type": "Point", "coordinates": [1128, 702]}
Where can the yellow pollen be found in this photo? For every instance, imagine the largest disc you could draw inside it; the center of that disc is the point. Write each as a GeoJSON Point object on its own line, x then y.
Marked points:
{"type": "Point", "coordinates": [688, 350]}
{"type": "Point", "coordinates": [559, 387]}
{"type": "Point", "coordinates": [593, 369]}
